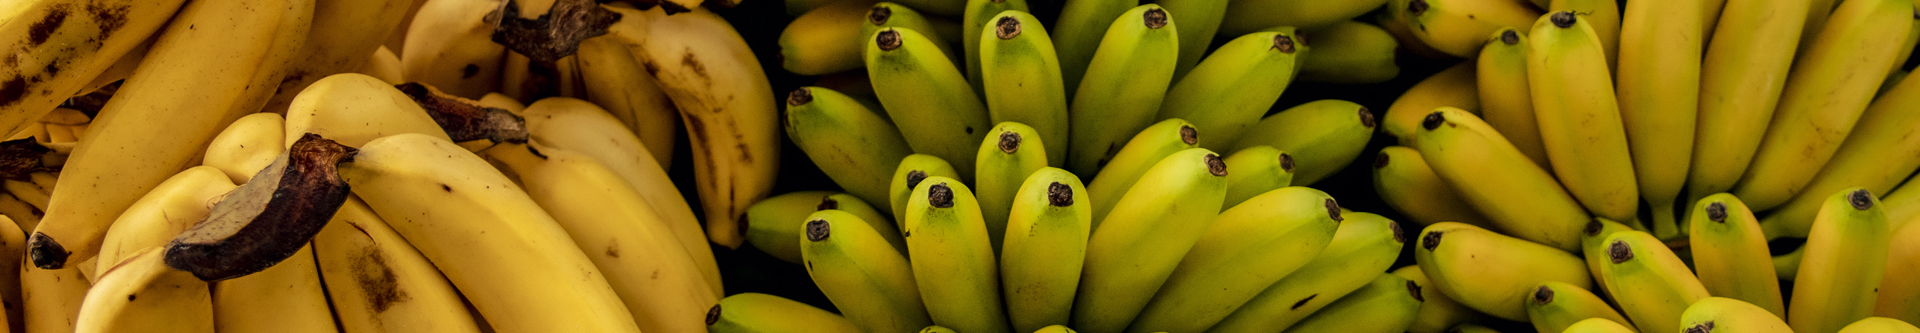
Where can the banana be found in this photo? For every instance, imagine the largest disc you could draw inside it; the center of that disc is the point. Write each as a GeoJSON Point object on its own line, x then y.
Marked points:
{"type": "Point", "coordinates": [1363, 246]}
{"type": "Point", "coordinates": [1899, 297]}
{"type": "Point", "coordinates": [1437, 311]}
{"type": "Point", "coordinates": [352, 109]}
{"type": "Point", "coordinates": [1249, 248]}
{"type": "Point", "coordinates": [1454, 87]}
{"type": "Point", "coordinates": [28, 215]}
{"type": "Point", "coordinates": [48, 38]}
{"type": "Point", "coordinates": [937, 329]}
{"type": "Point", "coordinates": [1720, 314]}
{"type": "Point", "coordinates": [377, 282]}
{"type": "Point", "coordinates": [1054, 329]}
{"type": "Point", "coordinates": [926, 97]}
{"type": "Point", "coordinates": [1226, 94]}
{"type": "Point", "coordinates": [872, 286]}
{"type": "Point", "coordinates": [1020, 76]}
{"type": "Point", "coordinates": [1011, 153]}
{"type": "Point", "coordinates": [383, 64]}
{"type": "Point", "coordinates": [1400, 24]}
{"type": "Point", "coordinates": [1388, 304]}
{"type": "Point", "coordinates": [1651, 284]}
{"type": "Point", "coordinates": [1137, 249]}
{"type": "Point", "coordinates": [1457, 256]}
{"type": "Point", "coordinates": [1518, 198]}
{"type": "Point", "coordinates": [1593, 247]}
{"type": "Point", "coordinates": [1730, 253]}
{"type": "Point", "coordinates": [1405, 182]}
{"type": "Point", "coordinates": [1040, 268]}
{"type": "Point", "coordinates": [888, 14]}
{"type": "Point", "coordinates": [1740, 81]}
{"type": "Point", "coordinates": [1658, 89]}
{"type": "Point", "coordinates": [1893, 80]}
{"type": "Point", "coordinates": [51, 298]}
{"type": "Point", "coordinates": [1254, 171]}
{"type": "Point", "coordinates": [1598, 325]}
{"type": "Point", "coordinates": [1125, 82]}
{"type": "Point", "coordinates": [1817, 17]}
{"type": "Point", "coordinates": [853, 145]}
{"type": "Point", "coordinates": [449, 46]}
{"type": "Point", "coordinates": [1830, 87]}
{"type": "Point", "coordinates": [770, 222]}
{"type": "Point", "coordinates": [1604, 17]}
{"type": "Point", "coordinates": [947, 242]}
{"type": "Point", "coordinates": [1460, 27]}
{"type": "Point", "coordinates": [287, 297]}
{"type": "Point", "coordinates": [1081, 29]}
{"type": "Point", "coordinates": [412, 180]}
{"type": "Point", "coordinates": [1131, 163]}
{"type": "Point", "coordinates": [498, 101]}
{"type": "Point", "coordinates": [763, 313]}
{"type": "Point", "coordinates": [13, 243]}
{"type": "Point", "coordinates": [913, 170]}
{"type": "Point", "coordinates": [825, 40]}
{"type": "Point", "coordinates": [1786, 265]}
{"type": "Point", "coordinates": [1556, 306]}
{"type": "Point", "coordinates": [232, 55]}
{"type": "Point", "coordinates": [1323, 136]}
{"type": "Point", "coordinates": [1846, 256]}
{"type": "Point", "coordinates": [613, 79]}
{"type": "Point", "coordinates": [157, 298]}
{"type": "Point", "coordinates": [1202, 19]}
{"type": "Point", "coordinates": [1248, 16]}
{"type": "Point", "coordinates": [1903, 205]}
{"type": "Point", "coordinates": [1351, 52]}
{"type": "Point", "coordinates": [1580, 121]}
{"type": "Point", "coordinates": [171, 208]}
{"type": "Point", "coordinates": [338, 42]}
{"type": "Point", "coordinates": [246, 146]}
{"type": "Point", "coordinates": [1475, 328]}
{"type": "Point", "coordinates": [1880, 324]}
{"type": "Point", "coordinates": [977, 17]}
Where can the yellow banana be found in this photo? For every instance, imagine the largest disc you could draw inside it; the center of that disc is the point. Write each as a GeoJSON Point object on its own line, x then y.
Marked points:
{"type": "Point", "coordinates": [1460, 27]}
{"type": "Point", "coordinates": [1405, 182]}
{"type": "Point", "coordinates": [1518, 198]}
{"type": "Point", "coordinates": [888, 14]}
{"type": "Point", "coordinates": [853, 145]}
{"type": "Point", "coordinates": [771, 227]}
{"type": "Point", "coordinates": [1880, 325]}
{"type": "Point", "coordinates": [927, 98]}
{"type": "Point", "coordinates": [1350, 52]}
{"type": "Point", "coordinates": [763, 313]}
{"type": "Point", "coordinates": [1746, 66]}
{"type": "Point", "coordinates": [1593, 247]}
{"type": "Point", "coordinates": [1364, 245]}
{"type": "Point", "coordinates": [1225, 95]}
{"type": "Point", "coordinates": [947, 243]}
{"type": "Point", "coordinates": [1580, 122]}
{"type": "Point", "coordinates": [171, 208]}
{"type": "Point", "coordinates": [246, 146]}
{"type": "Point", "coordinates": [1658, 89]}
{"type": "Point", "coordinates": [1454, 87]}
{"type": "Point", "coordinates": [1011, 152]}
{"type": "Point", "coordinates": [1388, 304]}
{"type": "Point", "coordinates": [1730, 253]}
{"type": "Point", "coordinates": [51, 298]}
{"type": "Point", "coordinates": [825, 40]}
{"type": "Point", "coordinates": [1137, 249]}
{"type": "Point", "coordinates": [912, 171]}
{"type": "Point", "coordinates": [1249, 248]}
{"type": "Point", "coordinates": [1020, 79]}
{"type": "Point", "coordinates": [144, 294]}
{"type": "Point", "coordinates": [1254, 171]}
{"type": "Point", "coordinates": [287, 297]}
{"type": "Point", "coordinates": [449, 46]}
{"type": "Point", "coordinates": [1202, 21]}
{"type": "Point", "coordinates": [343, 34]}
{"type": "Point", "coordinates": [352, 109]}
{"type": "Point", "coordinates": [1720, 315]}
{"type": "Point", "coordinates": [1899, 297]}
{"type": "Point", "coordinates": [1604, 17]}
{"type": "Point", "coordinates": [383, 64]}
{"type": "Point", "coordinates": [851, 264]}
{"type": "Point", "coordinates": [1651, 284]}
{"type": "Point", "coordinates": [13, 243]}
{"type": "Point", "coordinates": [1323, 136]}
{"type": "Point", "coordinates": [378, 282]}
{"type": "Point", "coordinates": [1556, 306]}
{"type": "Point", "coordinates": [1082, 27]}
{"type": "Point", "coordinates": [1846, 256]}
{"type": "Point", "coordinates": [1040, 267]}
{"type": "Point", "coordinates": [1131, 163]}
{"type": "Point", "coordinates": [58, 49]}
{"type": "Point", "coordinates": [1437, 311]}
{"type": "Point", "coordinates": [613, 79]}
{"type": "Point", "coordinates": [1124, 83]}
{"type": "Point", "coordinates": [1475, 328]}
{"type": "Point", "coordinates": [978, 15]}
{"type": "Point", "coordinates": [1598, 325]}
{"type": "Point", "coordinates": [1505, 98]}
{"type": "Point", "coordinates": [1458, 257]}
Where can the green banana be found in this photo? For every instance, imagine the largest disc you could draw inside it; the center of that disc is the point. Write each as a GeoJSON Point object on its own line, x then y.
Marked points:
{"type": "Point", "coordinates": [851, 264]}
{"type": "Point", "coordinates": [1724, 315]}
{"type": "Point", "coordinates": [1154, 225]}
{"type": "Point", "coordinates": [1598, 325]}
{"type": "Point", "coordinates": [891, 15]}
{"type": "Point", "coordinates": [825, 40]}
{"type": "Point", "coordinates": [1830, 86]}
{"type": "Point", "coordinates": [763, 313]}
{"type": "Point", "coordinates": [1350, 52]}
{"type": "Point", "coordinates": [1040, 267]}
{"type": "Point", "coordinates": [1490, 272]}
{"type": "Point", "coordinates": [926, 97]}
{"type": "Point", "coordinates": [913, 170]}
{"type": "Point", "coordinates": [1388, 304]}
{"type": "Point", "coordinates": [1124, 84]}
{"type": "Point", "coordinates": [770, 222]}
{"type": "Point", "coordinates": [1250, 247]}
{"type": "Point", "coordinates": [1787, 265]}
{"type": "Point", "coordinates": [1364, 245]}
{"type": "Point", "coordinates": [1227, 93]}
{"type": "Point", "coordinates": [1021, 78]}
{"type": "Point", "coordinates": [977, 16]}
{"type": "Point", "coordinates": [1082, 28]}
{"type": "Point", "coordinates": [1245, 17]}
{"type": "Point", "coordinates": [1011, 152]}
{"type": "Point", "coordinates": [1459, 27]}
{"type": "Point", "coordinates": [1746, 65]}
{"type": "Point", "coordinates": [1054, 329]}
{"type": "Point", "coordinates": [1658, 88]}
{"type": "Point", "coordinates": [852, 144]}
{"type": "Point", "coordinates": [1899, 295]}
{"type": "Point", "coordinates": [1573, 101]}
{"type": "Point", "coordinates": [1593, 247]}
{"type": "Point", "coordinates": [1846, 256]}
{"type": "Point", "coordinates": [1405, 182]}
{"type": "Point", "coordinates": [1133, 160]}
{"type": "Point", "coordinates": [1254, 171]}
{"type": "Point", "coordinates": [1651, 284]}
{"type": "Point", "coordinates": [1880, 325]}
{"type": "Point", "coordinates": [1555, 306]}
{"type": "Point", "coordinates": [1323, 136]}
{"type": "Point", "coordinates": [1453, 87]}
{"type": "Point", "coordinates": [952, 263]}
{"type": "Point", "coordinates": [1505, 99]}
{"type": "Point", "coordinates": [1730, 253]}
{"type": "Point", "coordinates": [1518, 197]}
{"type": "Point", "coordinates": [1203, 22]}
{"type": "Point", "coordinates": [1437, 311]}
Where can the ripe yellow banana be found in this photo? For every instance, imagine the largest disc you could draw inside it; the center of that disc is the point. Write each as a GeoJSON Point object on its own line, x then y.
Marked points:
{"type": "Point", "coordinates": [1323, 136]}
{"type": "Point", "coordinates": [1254, 171]}
{"type": "Point", "coordinates": [1124, 83]}
{"type": "Point", "coordinates": [1040, 267]}
{"type": "Point", "coordinates": [383, 64]}
{"type": "Point", "coordinates": [826, 39]}
{"type": "Point", "coordinates": [1898, 296]}
{"type": "Point", "coordinates": [978, 15]}
{"type": "Point", "coordinates": [1405, 182]}
{"type": "Point", "coordinates": [220, 59]}
{"type": "Point", "coordinates": [1388, 304]}
{"type": "Point", "coordinates": [1226, 95]}
{"type": "Point", "coordinates": [888, 14]}
{"type": "Point", "coordinates": [772, 227]}
{"type": "Point", "coordinates": [763, 313]}
{"type": "Point", "coordinates": [57, 49]}
{"type": "Point", "coordinates": [927, 98]}
{"type": "Point", "coordinates": [1202, 21]}
{"type": "Point", "coordinates": [246, 146]}
{"type": "Point", "coordinates": [1249, 248]}
{"type": "Point", "coordinates": [1137, 249]}
{"type": "Point", "coordinates": [1364, 245]}
{"type": "Point", "coordinates": [1556, 306]}
{"type": "Point", "coordinates": [1722, 315]}
{"type": "Point", "coordinates": [1746, 66]}
{"type": "Point", "coordinates": [947, 242]}
{"type": "Point", "coordinates": [1350, 52]}
{"type": "Point", "coordinates": [1580, 122]}
{"type": "Point", "coordinates": [853, 145]}
{"type": "Point", "coordinates": [1454, 87]}
{"type": "Point", "coordinates": [1133, 160]}
{"type": "Point", "coordinates": [1880, 325]}
{"type": "Point", "coordinates": [1518, 197]}
{"type": "Point", "coordinates": [613, 79]}
{"type": "Point", "coordinates": [1020, 77]}
{"type": "Point", "coordinates": [1604, 17]}
{"type": "Point", "coordinates": [1505, 98]}
{"type": "Point", "coordinates": [1593, 247]}
{"type": "Point", "coordinates": [51, 298]}
{"type": "Point", "coordinates": [1598, 325]}
{"type": "Point", "coordinates": [343, 34]}
{"type": "Point", "coordinates": [913, 170]}
{"type": "Point", "coordinates": [171, 208]}
{"type": "Point", "coordinates": [1658, 89]}
{"type": "Point", "coordinates": [378, 282]}
{"type": "Point", "coordinates": [1460, 260]}
{"type": "Point", "coordinates": [1846, 256]}
{"type": "Point", "coordinates": [1651, 284]}
{"type": "Point", "coordinates": [853, 267]}
{"type": "Point", "coordinates": [449, 46]}
{"type": "Point", "coordinates": [1081, 29]}
{"type": "Point", "coordinates": [352, 109]}
{"type": "Point", "coordinates": [1437, 311]}
{"type": "Point", "coordinates": [143, 294]}
{"type": "Point", "coordinates": [1011, 152]}
{"type": "Point", "coordinates": [1460, 27]}
{"type": "Point", "coordinates": [1730, 253]}
{"type": "Point", "coordinates": [1248, 16]}
{"type": "Point", "coordinates": [287, 297]}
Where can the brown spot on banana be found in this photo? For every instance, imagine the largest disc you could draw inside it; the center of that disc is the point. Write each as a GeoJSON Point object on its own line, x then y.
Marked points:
{"type": "Point", "coordinates": [376, 279]}
{"type": "Point", "coordinates": [41, 30]}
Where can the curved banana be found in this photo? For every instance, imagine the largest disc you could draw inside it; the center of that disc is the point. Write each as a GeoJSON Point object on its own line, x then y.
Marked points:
{"type": "Point", "coordinates": [1128, 165]}
{"type": "Point", "coordinates": [382, 64]}
{"type": "Point", "coordinates": [1245, 17]}
{"type": "Point", "coordinates": [246, 146]}
{"type": "Point", "coordinates": [1349, 52]}
{"type": "Point", "coordinates": [1504, 91]}
{"type": "Point", "coordinates": [1580, 121]}
{"type": "Point", "coordinates": [1556, 306]}
{"type": "Point", "coordinates": [1124, 84]}
{"type": "Point", "coordinates": [13, 242]}
{"type": "Point", "coordinates": [888, 14]}
{"type": "Point", "coordinates": [1226, 95]}
{"type": "Point", "coordinates": [912, 171]}
{"type": "Point", "coordinates": [287, 297]}
{"type": "Point", "coordinates": [926, 96]}
{"type": "Point", "coordinates": [1651, 284]}
{"type": "Point", "coordinates": [1254, 171]}
{"type": "Point", "coordinates": [1437, 311]}
{"type": "Point", "coordinates": [449, 46]}
{"type": "Point", "coordinates": [1879, 154]}
{"type": "Point", "coordinates": [143, 294]}
{"type": "Point", "coordinates": [1729, 252]}
{"type": "Point", "coordinates": [1249, 248]}
{"type": "Point", "coordinates": [51, 298]}
{"type": "Point", "coordinates": [763, 313]}
{"type": "Point", "coordinates": [1658, 89]}
{"type": "Point", "coordinates": [1604, 17]}
{"type": "Point", "coordinates": [825, 40]}
{"type": "Point", "coordinates": [1405, 182]}
{"type": "Point", "coordinates": [1598, 325]}
{"type": "Point", "coordinates": [1081, 29]}
{"type": "Point", "coordinates": [343, 34]}
{"type": "Point", "coordinates": [1723, 315]}
{"type": "Point", "coordinates": [872, 286]}
{"type": "Point", "coordinates": [978, 15]}
{"type": "Point", "coordinates": [1454, 87]}
{"type": "Point", "coordinates": [1020, 77]}
{"type": "Point", "coordinates": [352, 109]}
{"type": "Point", "coordinates": [1881, 325]}
{"type": "Point", "coordinates": [1846, 256]}
{"type": "Point", "coordinates": [1457, 258]}
{"type": "Point", "coordinates": [1011, 153]}
{"type": "Point", "coordinates": [369, 268]}
{"type": "Point", "coordinates": [1202, 19]}
{"type": "Point", "coordinates": [947, 244]}
{"type": "Point", "coordinates": [1460, 27]}
{"type": "Point", "coordinates": [1899, 297]}
{"type": "Point", "coordinates": [771, 223]}
{"type": "Point", "coordinates": [1517, 196]}
{"type": "Point", "coordinates": [171, 208]}
{"type": "Point", "coordinates": [1745, 68]}
{"type": "Point", "coordinates": [47, 38]}
{"type": "Point", "coordinates": [1593, 247]}
{"type": "Point", "coordinates": [853, 145]}
{"type": "Point", "coordinates": [1137, 250]}
{"type": "Point", "coordinates": [1364, 245]}
{"type": "Point", "coordinates": [1388, 304]}
{"type": "Point", "coordinates": [1040, 267]}
{"type": "Point", "coordinates": [613, 79]}
{"type": "Point", "coordinates": [1323, 136]}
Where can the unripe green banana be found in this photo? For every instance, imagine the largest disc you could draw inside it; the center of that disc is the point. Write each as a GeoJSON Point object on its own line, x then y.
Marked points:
{"type": "Point", "coordinates": [1248, 16]}
{"type": "Point", "coordinates": [763, 313]}
{"type": "Point", "coordinates": [1254, 171]}
{"type": "Point", "coordinates": [1491, 272]}
{"type": "Point", "coordinates": [1899, 294]}
{"type": "Point", "coordinates": [1787, 265]}
{"type": "Point", "coordinates": [1437, 311]}
{"type": "Point", "coordinates": [1579, 119]}
{"type": "Point", "coordinates": [1598, 325]}
{"type": "Point", "coordinates": [1506, 100]}
{"type": "Point", "coordinates": [1453, 87]}
{"type": "Point", "coordinates": [1651, 284]}
{"type": "Point", "coordinates": [1364, 245]}
{"type": "Point", "coordinates": [1459, 27]}
{"type": "Point", "coordinates": [1011, 152]}
{"type": "Point", "coordinates": [1021, 79]}
{"type": "Point", "coordinates": [1133, 160]}
{"type": "Point", "coordinates": [952, 263]}
{"type": "Point", "coordinates": [1350, 52]}
{"type": "Point", "coordinates": [851, 264]}
{"type": "Point", "coordinates": [1746, 65]}
{"type": "Point", "coordinates": [1604, 17]}
{"type": "Point", "coordinates": [926, 97]}
{"type": "Point", "coordinates": [771, 221]}
{"type": "Point", "coordinates": [1405, 182]}
{"type": "Point", "coordinates": [1593, 247]}
{"type": "Point", "coordinates": [825, 40]}
{"type": "Point", "coordinates": [1155, 224]}
{"type": "Point", "coordinates": [1725, 315]}
{"type": "Point", "coordinates": [1388, 304]}
{"type": "Point", "coordinates": [974, 21]}
{"type": "Point", "coordinates": [1250, 247]}
{"type": "Point", "coordinates": [913, 170]}
{"type": "Point", "coordinates": [893, 15]}
{"type": "Point", "coordinates": [1880, 325]}
{"type": "Point", "coordinates": [853, 145]}
{"type": "Point", "coordinates": [1730, 253]}
{"type": "Point", "coordinates": [1238, 83]}
{"type": "Point", "coordinates": [1040, 263]}
{"type": "Point", "coordinates": [1846, 256]}
{"type": "Point", "coordinates": [1124, 84]}
{"type": "Point", "coordinates": [1202, 19]}
{"type": "Point", "coordinates": [1555, 306]}
{"type": "Point", "coordinates": [1081, 31]}
{"type": "Point", "coordinates": [1658, 89]}
{"type": "Point", "coordinates": [1323, 136]}
{"type": "Point", "coordinates": [1517, 196]}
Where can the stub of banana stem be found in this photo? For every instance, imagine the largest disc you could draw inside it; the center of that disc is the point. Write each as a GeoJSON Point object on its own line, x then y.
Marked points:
{"type": "Point", "coordinates": [558, 34]}
{"type": "Point", "coordinates": [465, 120]}
{"type": "Point", "coordinates": [268, 219]}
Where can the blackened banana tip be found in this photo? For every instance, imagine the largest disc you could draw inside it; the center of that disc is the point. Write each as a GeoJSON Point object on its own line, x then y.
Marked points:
{"type": "Point", "coordinates": [1510, 37]}
{"type": "Point", "coordinates": [1286, 162]}
{"type": "Point", "coordinates": [1333, 210]}
{"type": "Point", "coordinates": [1380, 160]}
{"type": "Point", "coordinates": [1717, 212]}
{"type": "Point", "coordinates": [1542, 295]}
{"type": "Point", "coordinates": [1189, 135]}
{"type": "Point", "coordinates": [1705, 327]}
{"type": "Point", "coordinates": [1399, 235]}
{"type": "Point", "coordinates": [1283, 43]}
{"type": "Point", "coordinates": [1433, 120]}
{"type": "Point", "coordinates": [713, 315]}
{"type": "Point", "coordinates": [1860, 199]}
{"type": "Point", "coordinates": [940, 196]}
{"type": "Point", "coordinates": [1563, 19]}
{"type": "Point", "coordinates": [1619, 252]}
{"type": "Point", "coordinates": [827, 203]}
{"type": "Point", "coordinates": [800, 97]}
{"type": "Point", "coordinates": [1414, 289]}
{"type": "Point", "coordinates": [1366, 117]}
{"type": "Point", "coordinates": [1154, 18]}
{"type": "Point", "coordinates": [1009, 142]}
{"type": "Point", "coordinates": [879, 15]}
{"type": "Point", "coordinates": [1594, 227]}
{"type": "Point", "coordinates": [818, 230]}
{"type": "Point", "coordinates": [914, 177]}
{"type": "Point", "coordinates": [1432, 239]}
{"type": "Point", "coordinates": [1059, 195]}
{"type": "Point", "coordinates": [1215, 165]}
{"type": "Point", "coordinates": [46, 252]}
{"type": "Point", "coordinates": [888, 40]}
{"type": "Point", "coordinates": [1417, 6]}
{"type": "Point", "coordinates": [1007, 27]}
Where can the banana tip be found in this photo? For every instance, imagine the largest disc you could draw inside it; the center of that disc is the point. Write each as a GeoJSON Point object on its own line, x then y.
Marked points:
{"type": "Point", "coordinates": [1860, 199]}
{"type": "Point", "coordinates": [1009, 142]}
{"type": "Point", "coordinates": [1286, 162]}
{"type": "Point", "coordinates": [1542, 295]}
{"type": "Point", "coordinates": [1007, 27]}
{"type": "Point", "coordinates": [1701, 328]}
{"type": "Point", "coordinates": [46, 253]}
{"type": "Point", "coordinates": [1594, 227]}
{"type": "Point", "coordinates": [1414, 289]}
{"type": "Point", "coordinates": [914, 178]}
{"type": "Point", "coordinates": [1189, 135]}
{"type": "Point", "coordinates": [879, 14]}
{"type": "Point", "coordinates": [1417, 6]}
{"type": "Point", "coordinates": [1215, 165]}
{"type": "Point", "coordinates": [1510, 37]}
{"type": "Point", "coordinates": [1333, 210]}
{"type": "Point", "coordinates": [1619, 252]}
{"type": "Point", "coordinates": [1154, 18]}
{"type": "Point", "coordinates": [1380, 161]}
{"type": "Point", "coordinates": [888, 40]}
{"type": "Point", "coordinates": [1717, 212]}
{"type": "Point", "coordinates": [1059, 195]}
{"type": "Point", "coordinates": [800, 97]}
{"type": "Point", "coordinates": [818, 230]}
{"type": "Point", "coordinates": [940, 196]}
{"type": "Point", "coordinates": [827, 203]}
{"type": "Point", "coordinates": [1431, 240]}
{"type": "Point", "coordinates": [1433, 120]}
{"type": "Point", "coordinates": [1284, 43]}
{"type": "Point", "coordinates": [1563, 19]}
{"type": "Point", "coordinates": [713, 315]}
{"type": "Point", "coordinates": [1366, 117]}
